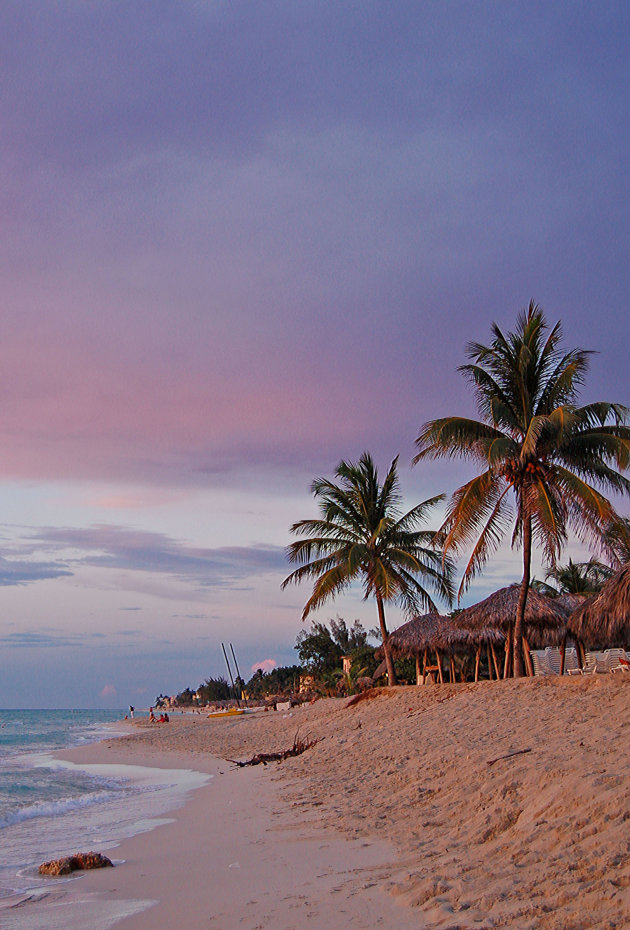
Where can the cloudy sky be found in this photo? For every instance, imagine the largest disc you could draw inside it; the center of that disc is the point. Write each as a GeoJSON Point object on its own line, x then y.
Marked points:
{"type": "Point", "coordinates": [242, 241]}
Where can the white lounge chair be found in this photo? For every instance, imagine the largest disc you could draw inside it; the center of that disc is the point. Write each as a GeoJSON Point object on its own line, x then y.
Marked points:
{"type": "Point", "coordinates": [617, 660]}
{"type": "Point", "coordinates": [541, 663]}
{"type": "Point", "coordinates": [595, 663]}
{"type": "Point", "coordinates": [548, 661]}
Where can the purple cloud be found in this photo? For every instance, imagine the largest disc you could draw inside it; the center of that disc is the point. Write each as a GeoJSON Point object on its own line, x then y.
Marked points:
{"type": "Point", "coordinates": [114, 547]}
{"type": "Point", "coordinates": [21, 572]}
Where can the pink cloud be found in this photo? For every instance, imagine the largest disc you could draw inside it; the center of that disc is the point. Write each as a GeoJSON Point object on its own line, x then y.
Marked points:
{"type": "Point", "coordinates": [107, 692]}
{"type": "Point", "coordinates": [266, 665]}
{"type": "Point", "coordinates": [81, 407]}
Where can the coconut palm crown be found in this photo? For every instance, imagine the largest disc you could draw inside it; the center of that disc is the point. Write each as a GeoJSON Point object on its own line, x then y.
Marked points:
{"type": "Point", "coordinates": [361, 535]}
{"type": "Point", "coordinates": [582, 578]}
{"type": "Point", "coordinates": [538, 450]}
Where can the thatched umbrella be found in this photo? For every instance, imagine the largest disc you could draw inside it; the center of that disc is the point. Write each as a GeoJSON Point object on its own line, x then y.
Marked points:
{"type": "Point", "coordinates": [571, 602]}
{"type": "Point", "coordinates": [604, 619]}
{"type": "Point", "coordinates": [545, 618]}
{"type": "Point", "coordinates": [434, 632]}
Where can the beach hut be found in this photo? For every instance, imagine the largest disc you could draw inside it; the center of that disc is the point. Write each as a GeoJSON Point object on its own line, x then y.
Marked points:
{"type": "Point", "coordinates": [603, 620]}
{"type": "Point", "coordinates": [545, 620]}
{"type": "Point", "coordinates": [434, 633]}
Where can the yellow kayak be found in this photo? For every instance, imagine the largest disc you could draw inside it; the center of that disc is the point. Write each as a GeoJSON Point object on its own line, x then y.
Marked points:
{"type": "Point", "coordinates": [237, 712]}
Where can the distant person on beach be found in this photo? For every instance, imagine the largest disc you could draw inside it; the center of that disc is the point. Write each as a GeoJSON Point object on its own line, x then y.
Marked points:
{"type": "Point", "coordinates": [131, 710]}
{"type": "Point", "coordinates": [151, 715]}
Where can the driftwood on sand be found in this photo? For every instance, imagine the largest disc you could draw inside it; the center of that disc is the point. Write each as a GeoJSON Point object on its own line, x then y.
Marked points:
{"type": "Point", "coordinates": [299, 746]}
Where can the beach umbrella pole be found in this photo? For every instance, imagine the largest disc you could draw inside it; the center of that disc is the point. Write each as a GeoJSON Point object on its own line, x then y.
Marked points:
{"type": "Point", "coordinates": [495, 661]}
{"type": "Point", "coordinates": [528, 658]}
{"type": "Point", "coordinates": [508, 653]}
{"type": "Point", "coordinates": [439, 665]}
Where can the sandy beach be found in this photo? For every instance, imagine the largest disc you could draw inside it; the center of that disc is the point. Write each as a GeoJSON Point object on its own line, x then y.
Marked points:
{"type": "Point", "coordinates": [503, 804]}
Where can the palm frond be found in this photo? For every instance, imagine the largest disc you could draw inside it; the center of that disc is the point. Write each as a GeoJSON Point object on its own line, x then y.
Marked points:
{"type": "Point", "coordinates": [469, 508]}
{"type": "Point", "coordinates": [452, 437]}
{"type": "Point", "coordinates": [488, 541]}
{"type": "Point", "coordinates": [549, 517]}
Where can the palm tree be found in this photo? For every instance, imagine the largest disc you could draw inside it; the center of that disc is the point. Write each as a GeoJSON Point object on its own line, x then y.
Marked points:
{"type": "Point", "coordinates": [361, 534]}
{"type": "Point", "coordinates": [535, 445]}
{"type": "Point", "coordinates": [576, 578]}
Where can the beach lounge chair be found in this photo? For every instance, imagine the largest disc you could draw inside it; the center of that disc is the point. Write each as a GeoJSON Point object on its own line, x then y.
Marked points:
{"type": "Point", "coordinates": [595, 663]}
{"type": "Point", "coordinates": [571, 662]}
{"type": "Point", "coordinates": [548, 661]}
{"type": "Point", "coordinates": [554, 658]}
{"type": "Point", "coordinates": [617, 660]}
{"type": "Point", "coordinates": [540, 662]}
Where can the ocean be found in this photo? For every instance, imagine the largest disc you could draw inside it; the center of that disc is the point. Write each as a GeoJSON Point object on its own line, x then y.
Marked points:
{"type": "Point", "coordinates": [50, 808]}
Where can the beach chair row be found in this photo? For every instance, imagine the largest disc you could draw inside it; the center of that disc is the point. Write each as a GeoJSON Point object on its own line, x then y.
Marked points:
{"type": "Point", "coordinates": [548, 661]}
{"type": "Point", "coordinates": [607, 660]}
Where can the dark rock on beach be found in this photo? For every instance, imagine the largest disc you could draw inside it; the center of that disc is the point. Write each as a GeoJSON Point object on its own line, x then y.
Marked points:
{"type": "Point", "coordinates": [76, 863]}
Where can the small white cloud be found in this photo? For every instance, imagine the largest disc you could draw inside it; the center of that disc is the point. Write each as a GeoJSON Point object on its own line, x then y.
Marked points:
{"type": "Point", "coordinates": [108, 691]}
{"type": "Point", "coordinates": [266, 665]}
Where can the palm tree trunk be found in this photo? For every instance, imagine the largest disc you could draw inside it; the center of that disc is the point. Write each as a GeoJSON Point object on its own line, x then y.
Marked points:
{"type": "Point", "coordinates": [391, 674]}
{"type": "Point", "coordinates": [522, 600]}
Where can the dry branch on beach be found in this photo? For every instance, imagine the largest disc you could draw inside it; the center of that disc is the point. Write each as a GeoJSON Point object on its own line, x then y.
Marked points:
{"type": "Point", "coordinates": [299, 746]}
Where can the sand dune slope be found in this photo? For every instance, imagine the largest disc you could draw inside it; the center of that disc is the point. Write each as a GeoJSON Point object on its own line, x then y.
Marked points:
{"type": "Point", "coordinates": [540, 839]}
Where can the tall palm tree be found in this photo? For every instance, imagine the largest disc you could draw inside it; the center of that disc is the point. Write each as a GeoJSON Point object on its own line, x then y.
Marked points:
{"type": "Point", "coordinates": [361, 535]}
{"type": "Point", "coordinates": [535, 445]}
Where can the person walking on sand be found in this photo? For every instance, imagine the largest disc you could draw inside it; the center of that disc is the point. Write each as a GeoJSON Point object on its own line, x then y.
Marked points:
{"type": "Point", "coordinates": [131, 710]}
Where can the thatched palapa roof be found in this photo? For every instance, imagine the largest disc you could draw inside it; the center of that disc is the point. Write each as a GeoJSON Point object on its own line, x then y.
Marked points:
{"type": "Point", "coordinates": [434, 631]}
{"type": "Point", "coordinates": [571, 602]}
{"type": "Point", "coordinates": [604, 619]}
{"type": "Point", "coordinates": [545, 618]}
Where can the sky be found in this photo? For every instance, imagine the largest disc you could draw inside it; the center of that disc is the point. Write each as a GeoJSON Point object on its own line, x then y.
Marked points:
{"type": "Point", "coordinates": [241, 242]}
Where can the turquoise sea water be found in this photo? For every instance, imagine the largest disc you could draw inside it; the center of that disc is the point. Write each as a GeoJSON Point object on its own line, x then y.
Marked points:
{"type": "Point", "coordinates": [50, 808]}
